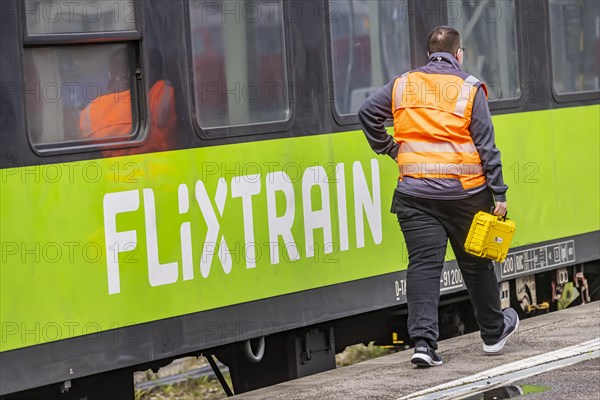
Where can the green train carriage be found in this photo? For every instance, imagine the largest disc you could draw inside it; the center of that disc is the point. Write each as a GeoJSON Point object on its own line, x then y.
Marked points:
{"type": "Point", "coordinates": [260, 211]}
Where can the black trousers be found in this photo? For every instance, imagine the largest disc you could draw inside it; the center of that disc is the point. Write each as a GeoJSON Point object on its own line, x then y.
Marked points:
{"type": "Point", "coordinates": [427, 225]}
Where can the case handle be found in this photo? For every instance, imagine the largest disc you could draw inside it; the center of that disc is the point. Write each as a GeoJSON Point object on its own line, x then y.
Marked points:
{"type": "Point", "coordinates": [502, 217]}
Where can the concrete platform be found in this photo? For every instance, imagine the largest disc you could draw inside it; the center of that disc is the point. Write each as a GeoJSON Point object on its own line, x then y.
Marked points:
{"type": "Point", "coordinates": [394, 377]}
{"type": "Point", "coordinates": [580, 381]}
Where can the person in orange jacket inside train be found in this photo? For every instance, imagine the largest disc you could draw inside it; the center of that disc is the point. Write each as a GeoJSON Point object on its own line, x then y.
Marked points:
{"type": "Point", "coordinates": [109, 115]}
{"type": "Point", "coordinates": [449, 170]}
{"type": "Point", "coordinates": [161, 105]}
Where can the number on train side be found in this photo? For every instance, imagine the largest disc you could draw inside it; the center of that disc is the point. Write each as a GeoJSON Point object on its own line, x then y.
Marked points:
{"type": "Point", "coordinates": [508, 266]}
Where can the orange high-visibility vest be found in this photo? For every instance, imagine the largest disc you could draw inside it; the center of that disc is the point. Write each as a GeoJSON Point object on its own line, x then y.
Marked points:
{"type": "Point", "coordinates": [432, 115]}
{"type": "Point", "coordinates": [107, 116]}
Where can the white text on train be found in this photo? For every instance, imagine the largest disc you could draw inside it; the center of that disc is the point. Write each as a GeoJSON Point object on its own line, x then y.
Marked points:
{"type": "Point", "coordinates": [367, 202]}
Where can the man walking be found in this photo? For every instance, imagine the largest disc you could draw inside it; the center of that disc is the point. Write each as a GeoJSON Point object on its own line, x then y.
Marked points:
{"type": "Point", "coordinates": [449, 170]}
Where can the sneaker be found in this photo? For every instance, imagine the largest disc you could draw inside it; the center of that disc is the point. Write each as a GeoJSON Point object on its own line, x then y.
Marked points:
{"type": "Point", "coordinates": [425, 356]}
{"type": "Point", "coordinates": [511, 323]}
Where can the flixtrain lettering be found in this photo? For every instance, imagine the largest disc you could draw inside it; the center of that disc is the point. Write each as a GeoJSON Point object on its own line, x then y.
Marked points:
{"type": "Point", "coordinates": [281, 194]}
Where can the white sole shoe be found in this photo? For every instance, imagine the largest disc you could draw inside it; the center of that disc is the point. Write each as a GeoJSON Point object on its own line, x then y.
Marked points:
{"type": "Point", "coordinates": [496, 348]}
{"type": "Point", "coordinates": [423, 360]}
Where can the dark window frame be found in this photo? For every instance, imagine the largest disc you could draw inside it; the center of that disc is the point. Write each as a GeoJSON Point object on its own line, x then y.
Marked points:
{"type": "Point", "coordinates": [139, 110]}
{"type": "Point", "coordinates": [244, 129]}
{"type": "Point", "coordinates": [569, 97]}
{"type": "Point", "coordinates": [513, 103]}
{"type": "Point", "coordinates": [352, 118]}
{"type": "Point", "coordinates": [500, 104]}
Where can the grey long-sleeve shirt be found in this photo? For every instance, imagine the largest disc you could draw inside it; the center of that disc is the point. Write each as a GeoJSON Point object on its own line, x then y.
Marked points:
{"type": "Point", "coordinates": [378, 108]}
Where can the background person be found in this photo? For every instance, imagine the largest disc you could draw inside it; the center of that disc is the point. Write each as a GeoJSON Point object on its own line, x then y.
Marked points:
{"type": "Point", "coordinates": [109, 115]}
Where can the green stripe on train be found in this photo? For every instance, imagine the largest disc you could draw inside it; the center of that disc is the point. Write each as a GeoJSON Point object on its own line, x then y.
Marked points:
{"type": "Point", "coordinates": [96, 245]}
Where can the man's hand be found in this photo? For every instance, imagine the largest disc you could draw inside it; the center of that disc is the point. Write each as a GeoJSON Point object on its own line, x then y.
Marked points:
{"type": "Point", "coordinates": [500, 209]}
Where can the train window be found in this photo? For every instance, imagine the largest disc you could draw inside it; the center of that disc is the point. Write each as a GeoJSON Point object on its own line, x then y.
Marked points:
{"type": "Point", "coordinates": [50, 16]}
{"type": "Point", "coordinates": [79, 93]}
{"type": "Point", "coordinates": [575, 38]}
{"type": "Point", "coordinates": [489, 33]}
{"type": "Point", "coordinates": [239, 62]}
{"type": "Point", "coordinates": [81, 76]}
{"type": "Point", "coordinates": [370, 45]}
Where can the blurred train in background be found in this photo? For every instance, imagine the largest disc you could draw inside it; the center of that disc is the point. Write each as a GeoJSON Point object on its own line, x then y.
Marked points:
{"type": "Point", "coordinates": [189, 177]}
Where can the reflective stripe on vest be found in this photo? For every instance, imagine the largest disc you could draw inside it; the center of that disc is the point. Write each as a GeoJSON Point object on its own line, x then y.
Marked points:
{"type": "Point", "coordinates": [444, 147]}
{"type": "Point", "coordinates": [465, 94]}
{"type": "Point", "coordinates": [439, 170]}
{"type": "Point", "coordinates": [398, 91]}
{"type": "Point", "coordinates": [432, 116]}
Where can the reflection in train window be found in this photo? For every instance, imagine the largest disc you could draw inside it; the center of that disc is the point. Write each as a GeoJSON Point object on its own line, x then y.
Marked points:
{"type": "Point", "coordinates": [370, 44]}
{"type": "Point", "coordinates": [575, 37]}
{"type": "Point", "coordinates": [51, 16]}
{"type": "Point", "coordinates": [488, 30]}
{"type": "Point", "coordinates": [239, 62]}
{"type": "Point", "coordinates": [79, 93]}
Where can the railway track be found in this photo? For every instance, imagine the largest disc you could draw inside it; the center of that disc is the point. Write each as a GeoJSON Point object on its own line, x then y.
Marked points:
{"type": "Point", "coordinates": [197, 373]}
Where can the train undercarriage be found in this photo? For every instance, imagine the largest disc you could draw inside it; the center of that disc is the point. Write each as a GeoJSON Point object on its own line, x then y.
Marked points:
{"type": "Point", "coordinates": [288, 355]}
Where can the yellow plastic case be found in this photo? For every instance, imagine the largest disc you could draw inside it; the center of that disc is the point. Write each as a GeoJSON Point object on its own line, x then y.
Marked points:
{"type": "Point", "coordinates": [490, 236]}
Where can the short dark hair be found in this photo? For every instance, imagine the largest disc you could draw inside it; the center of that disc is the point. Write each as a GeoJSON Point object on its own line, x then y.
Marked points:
{"type": "Point", "coordinates": [443, 39]}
